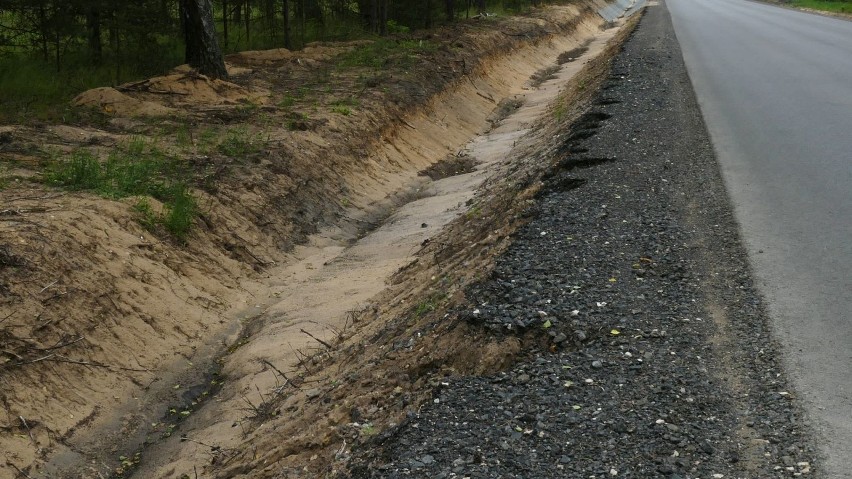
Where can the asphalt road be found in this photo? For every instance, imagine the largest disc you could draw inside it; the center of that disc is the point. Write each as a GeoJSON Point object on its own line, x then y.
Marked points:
{"type": "Point", "coordinates": [775, 88]}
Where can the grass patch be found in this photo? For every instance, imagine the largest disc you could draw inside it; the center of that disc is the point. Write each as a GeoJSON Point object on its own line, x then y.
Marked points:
{"type": "Point", "coordinates": [239, 142]}
{"type": "Point", "coordinates": [136, 169]}
{"type": "Point", "coordinates": [836, 6]}
{"type": "Point", "coordinates": [342, 110]}
{"type": "Point", "coordinates": [287, 101]}
{"type": "Point", "coordinates": [386, 52]}
{"type": "Point", "coordinates": [559, 111]}
{"type": "Point", "coordinates": [343, 105]}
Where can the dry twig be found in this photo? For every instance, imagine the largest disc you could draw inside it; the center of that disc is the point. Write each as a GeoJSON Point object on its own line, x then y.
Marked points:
{"type": "Point", "coordinates": [317, 339]}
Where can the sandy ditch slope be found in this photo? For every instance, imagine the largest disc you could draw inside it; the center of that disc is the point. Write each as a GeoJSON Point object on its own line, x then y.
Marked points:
{"type": "Point", "coordinates": [107, 327]}
{"type": "Point", "coordinates": [323, 293]}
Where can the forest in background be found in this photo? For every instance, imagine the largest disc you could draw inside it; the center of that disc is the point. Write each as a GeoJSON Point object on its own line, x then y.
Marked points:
{"type": "Point", "coordinates": [51, 50]}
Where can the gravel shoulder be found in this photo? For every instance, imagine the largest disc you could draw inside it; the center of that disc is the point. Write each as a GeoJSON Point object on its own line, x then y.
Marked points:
{"type": "Point", "coordinates": [648, 351]}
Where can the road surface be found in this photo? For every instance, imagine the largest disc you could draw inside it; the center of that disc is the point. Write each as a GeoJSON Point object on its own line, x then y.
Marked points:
{"type": "Point", "coordinates": [775, 88]}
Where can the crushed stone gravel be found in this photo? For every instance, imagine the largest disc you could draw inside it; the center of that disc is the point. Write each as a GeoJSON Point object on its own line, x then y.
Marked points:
{"type": "Point", "coordinates": [651, 352]}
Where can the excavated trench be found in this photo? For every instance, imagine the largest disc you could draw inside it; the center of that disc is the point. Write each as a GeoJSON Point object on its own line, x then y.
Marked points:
{"type": "Point", "coordinates": [331, 279]}
{"type": "Point", "coordinates": [447, 151]}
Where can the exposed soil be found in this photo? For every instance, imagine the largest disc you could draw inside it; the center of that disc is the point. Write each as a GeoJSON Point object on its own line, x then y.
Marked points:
{"type": "Point", "coordinates": [113, 333]}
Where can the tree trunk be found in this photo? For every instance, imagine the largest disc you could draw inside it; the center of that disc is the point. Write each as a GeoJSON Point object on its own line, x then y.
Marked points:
{"type": "Point", "coordinates": [428, 13]}
{"type": "Point", "coordinates": [383, 17]}
{"type": "Point", "coordinates": [451, 10]}
{"type": "Point", "coordinates": [202, 48]}
{"type": "Point", "coordinates": [374, 16]}
{"type": "Point", "coordinates": [57, 40]}
{"type": "Point", "coordinates": [248, 22]}
{"type": "Point", "coordinates": [93, 30]}
{"type": "Point", "coordinates": [225, 24]}
{"type": "Point", "coordinates": [42, 19]}
{"type": "Point", "coordinates": [287, 44]}
{"type": "Point", "coordinates": [302, 21]}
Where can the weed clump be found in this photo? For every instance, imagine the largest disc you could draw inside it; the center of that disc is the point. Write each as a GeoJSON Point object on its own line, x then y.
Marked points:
{"type": "Point", "coordinates": [239, 142]}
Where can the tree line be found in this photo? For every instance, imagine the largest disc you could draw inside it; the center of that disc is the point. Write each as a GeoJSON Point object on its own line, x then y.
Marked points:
{"type": "Point", "coordinates": [96, 32]}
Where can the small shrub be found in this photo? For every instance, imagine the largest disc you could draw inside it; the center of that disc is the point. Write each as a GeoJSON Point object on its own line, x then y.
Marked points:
{"type": "Point", "coordinates": [180, 212]}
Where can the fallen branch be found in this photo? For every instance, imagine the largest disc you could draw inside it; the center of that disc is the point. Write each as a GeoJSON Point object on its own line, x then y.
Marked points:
{"type": "Point", "coordinates": [20, 472]}
{"type": "Point", "coordinates": [27, 427]}
{"type": "Point", "coordinates": [62, 345]}
{"type": "Point", "coordinates": [129, 86]}
{"type": "Point", "coordinates": [43, 358]}
{"type": "Point", "coordinates": [317, 339]}
{"type": "Point", "coordinates": [12, 353]}
{"type": "Point", "coordinates": [48, 286]}
{"type": "Point", "coordinates": [166, 92]}
{"type": "Point", "coordinates": [63, 359]}
{"type": "Point", "coordinates": [280, 372]}
{"type": "Point", "coordinates": [487, 97]}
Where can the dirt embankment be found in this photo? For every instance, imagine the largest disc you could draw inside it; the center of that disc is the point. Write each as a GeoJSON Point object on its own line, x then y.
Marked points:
{"type": "Point", "coordinates": [105, 323]}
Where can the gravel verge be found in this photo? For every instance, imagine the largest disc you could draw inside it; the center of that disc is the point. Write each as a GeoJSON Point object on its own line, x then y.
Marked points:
{"type": "Point", "coordinates": [649, 352]}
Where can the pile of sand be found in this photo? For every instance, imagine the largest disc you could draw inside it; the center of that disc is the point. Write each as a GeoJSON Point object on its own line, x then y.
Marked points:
{"type": "Point", "coordinates": [160, 96]}
{"type": "Point", "coordinates": [113, 102]}
{"type": "Point", "coordinates": [195, 89]}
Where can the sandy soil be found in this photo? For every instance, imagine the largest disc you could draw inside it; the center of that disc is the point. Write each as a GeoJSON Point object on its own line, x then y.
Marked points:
{"type": "Point", "coordinates": [112, 335]}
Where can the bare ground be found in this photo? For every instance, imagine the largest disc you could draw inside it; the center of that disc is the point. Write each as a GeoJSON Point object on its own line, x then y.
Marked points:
{"type": "Point", "coordinates": [112, 333]}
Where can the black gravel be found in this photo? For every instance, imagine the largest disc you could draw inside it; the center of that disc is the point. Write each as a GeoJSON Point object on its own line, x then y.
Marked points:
{"type": "Point", "coordinates": [654, 357]}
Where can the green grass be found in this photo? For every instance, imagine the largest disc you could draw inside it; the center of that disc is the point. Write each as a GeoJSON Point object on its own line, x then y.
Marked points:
{"type": "Point", "coordinates": [344, 106]}
{"type": "Point", "coordinates": [836, 6]}
{"type": "Point", "coordinates": [342, 110]}
{"type": "Point", "coordinates": [559, 111]}
{"type": "Point", "coordinates": [386, 52]}
{"type": "Point", "coordinates": [135, 169]}
{"type": "Point", "coordinates": [239, 142]}
{"type": "Point", "coordinates": [287, 101]}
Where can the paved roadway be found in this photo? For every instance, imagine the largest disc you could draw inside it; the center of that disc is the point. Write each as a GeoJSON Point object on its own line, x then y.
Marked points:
{"type": "Point", "coordinates": [775, 88]}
